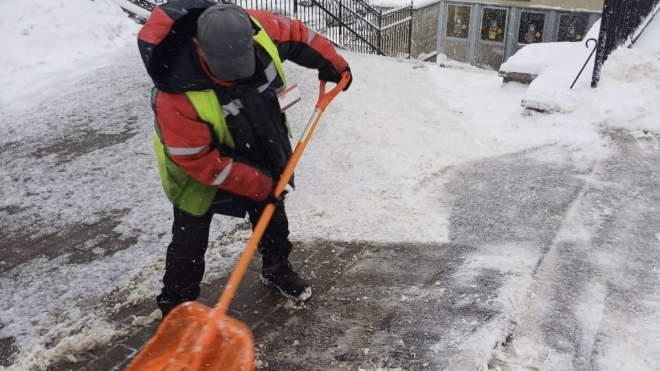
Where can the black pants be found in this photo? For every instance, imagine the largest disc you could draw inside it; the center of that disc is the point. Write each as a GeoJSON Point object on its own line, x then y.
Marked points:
{"type": "Point", "coordinates": [184, 266]}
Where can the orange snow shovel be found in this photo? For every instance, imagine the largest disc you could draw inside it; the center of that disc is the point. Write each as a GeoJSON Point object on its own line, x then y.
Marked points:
{"type": "Point", "coordinates": [194, 337]}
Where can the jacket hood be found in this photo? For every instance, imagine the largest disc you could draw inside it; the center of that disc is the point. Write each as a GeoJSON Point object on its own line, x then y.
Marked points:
{"type": "Point", "coordinates": [167, 49]}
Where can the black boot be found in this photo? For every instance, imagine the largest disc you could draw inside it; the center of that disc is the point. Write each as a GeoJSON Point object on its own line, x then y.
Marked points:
{"type": "Point", "coordinates": [166, 303]}
{"type": "Point", "coordinates": [281, 275]}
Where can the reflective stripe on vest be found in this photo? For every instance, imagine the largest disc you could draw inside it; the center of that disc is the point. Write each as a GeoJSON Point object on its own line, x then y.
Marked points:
{"type": "Point", "coordinates": [181, 189]}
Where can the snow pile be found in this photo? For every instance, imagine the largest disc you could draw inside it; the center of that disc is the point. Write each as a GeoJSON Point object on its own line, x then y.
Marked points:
{"type": "Point", "coordinates": [629, 89]}
{"type": "Point", "coordinates": [550, 91]}
{"type": "Point", "coordinates": [40, 45]}
{"type": "Point", "coordinates": [535, 58]}
{"type": "Point", "coordinates": [627, 94]}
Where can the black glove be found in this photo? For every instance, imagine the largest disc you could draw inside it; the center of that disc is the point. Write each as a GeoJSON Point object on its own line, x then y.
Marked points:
{"type": "Point", "coordinates": [329, 73]}
{"type": "Point", "coordinates": [277, 201]}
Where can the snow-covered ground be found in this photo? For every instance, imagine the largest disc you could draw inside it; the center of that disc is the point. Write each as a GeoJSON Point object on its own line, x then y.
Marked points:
{"type": "Point", "coordinates": [49, 42]}
{"type": "Point", "coordinates": [70, 69]}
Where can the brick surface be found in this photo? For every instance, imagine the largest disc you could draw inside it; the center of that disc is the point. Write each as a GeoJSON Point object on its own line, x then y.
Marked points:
{"type": "Point", "coordinates": [264, 309]}
{"type": "Point", "coordinates": [15, 255]}
{"type": "Point", "coordinates": [81, 364]}
{"type": "Point", "coordinates": [138, 338]}
{"type": "Point", "coordinates": [117, 358]}
{"type": "Point", "coordinates": [7, 349]}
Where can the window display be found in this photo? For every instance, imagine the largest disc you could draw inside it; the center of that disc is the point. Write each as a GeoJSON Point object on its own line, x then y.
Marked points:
{"type": "Point", "coordinates": [494, 24]}
{"type": "Point", "coordinates": [458, 21]}
{"type": "Point", "coordinates": [572, 27]}
{"type": "Point", "coordinates": [531, 28]}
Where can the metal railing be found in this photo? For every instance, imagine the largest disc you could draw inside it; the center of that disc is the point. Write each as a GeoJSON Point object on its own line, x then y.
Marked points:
{"type": "Point", "coordinates": [357, 26]}
{"type": "Point", "coordinates": [353, 25]}
{"type": "Point", "coordinates": [622, 23]}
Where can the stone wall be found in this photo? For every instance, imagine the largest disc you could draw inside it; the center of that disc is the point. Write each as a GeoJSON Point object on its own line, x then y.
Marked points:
{"type": "Point", "coordinates": [425, 30]}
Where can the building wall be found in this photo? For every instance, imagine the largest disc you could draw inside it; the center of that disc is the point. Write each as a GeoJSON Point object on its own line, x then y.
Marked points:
{"type": "Point", "coordinates": [429, 26]}
{"type": "Point", "coordinates": [427, 21]}
{"type": "Point", "coordinates": [425, 30]}
{"type": "Point", "coordinates": [589, 5]}
{"type": "Point", "coordinates": [485, 34]}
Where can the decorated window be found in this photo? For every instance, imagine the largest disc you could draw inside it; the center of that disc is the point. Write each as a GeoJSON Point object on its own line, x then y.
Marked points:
{"type": "Point", "coordinates": [494, 25]}
{"type": "Point", "coordinates": [458, 21]}
{"type": "Point", "coordinates": [531, 28]}
{"type": "Point", "coordinates": [572, 27]}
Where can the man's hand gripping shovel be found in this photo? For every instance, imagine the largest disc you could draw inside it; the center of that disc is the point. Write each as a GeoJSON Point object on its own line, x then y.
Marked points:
{"type": "Point", "coordinates": [194, 337]}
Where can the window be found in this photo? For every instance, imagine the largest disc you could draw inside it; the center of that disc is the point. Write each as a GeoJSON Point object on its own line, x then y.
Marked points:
{"type": "Point", "coordinates": [494, 24]}
{"type": "Point", "coordinates": [572, 27]}
{"type": "Point", "coordinates": [531, 28]}
{"type": "Point", "coordinates": [458, 21]}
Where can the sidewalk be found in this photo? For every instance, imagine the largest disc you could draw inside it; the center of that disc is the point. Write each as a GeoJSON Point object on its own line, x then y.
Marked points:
{"type": "Point", "coordinates": [374, 305]}
{"type": "Point", "coordinates": [263, 309]}
{"type": "Point", "coordinates": [416, 306]}
{"type": "Point", "coordinates": [394, 305]}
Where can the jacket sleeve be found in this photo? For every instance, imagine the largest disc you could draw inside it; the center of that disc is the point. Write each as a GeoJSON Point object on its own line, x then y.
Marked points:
{"type": "Point", "coordinates": [189, 144]}
{"type": "Point", "coordinates": [298, 43]}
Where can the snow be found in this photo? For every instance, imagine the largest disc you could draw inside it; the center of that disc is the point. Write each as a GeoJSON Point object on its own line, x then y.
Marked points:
{"type": "Point", "coordinates": [628, 82]}
{"type": "Point", "coordinates": [536, 58]}
{"type": "Point", "coordinates": [137, 10]}
{"type": "Point", "coordinates": [417, 4]}
{"type": "Point", "coordinates": [556, 66]}
{"type": "Point", "coordinates": [642, 27]}
{"type": "Point", "coordinates": [57, 40]}
{"type": "Point", "coordinates": [650, 44]}
{"type": "Point", "coordinates": [373, 171]}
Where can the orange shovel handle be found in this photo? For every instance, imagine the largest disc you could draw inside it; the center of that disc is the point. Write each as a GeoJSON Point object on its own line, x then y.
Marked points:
{"type": "Point", "coordinates": [237, 275]}
{"type": "Point", "coordinates": [326, 98]}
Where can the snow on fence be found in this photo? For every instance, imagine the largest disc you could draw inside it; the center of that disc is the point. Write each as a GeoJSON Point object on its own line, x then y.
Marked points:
{"type": "Point", "coordinates": [623, 21]}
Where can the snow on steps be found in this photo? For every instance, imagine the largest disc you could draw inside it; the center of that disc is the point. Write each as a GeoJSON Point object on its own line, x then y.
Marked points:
{"type": "Point", "coordinates": [549, 69]}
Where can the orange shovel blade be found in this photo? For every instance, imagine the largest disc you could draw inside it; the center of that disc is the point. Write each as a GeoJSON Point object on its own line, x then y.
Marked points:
{"type": "Point", "coordinates": [174, 348]}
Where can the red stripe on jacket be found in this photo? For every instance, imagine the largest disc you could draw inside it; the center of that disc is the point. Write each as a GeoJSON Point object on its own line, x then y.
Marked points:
{"type": "Point", "coordinates": [181, 128]}
{"type": "Point", "coordinates": [157, 27]}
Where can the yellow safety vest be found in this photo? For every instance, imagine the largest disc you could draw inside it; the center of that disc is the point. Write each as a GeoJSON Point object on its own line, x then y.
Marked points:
{"type": "Point", "coordinates": [181, 189]}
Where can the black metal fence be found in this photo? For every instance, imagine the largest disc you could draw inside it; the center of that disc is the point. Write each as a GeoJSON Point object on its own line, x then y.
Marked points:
{"type": "Point", "coordinates": [622, 23]}
{"type": "Point", "coordinates": [349, 24]}
{"type": "Point", "coordinates": [146, 4]}
{"type": "Point", "coordinates": [357, 26]}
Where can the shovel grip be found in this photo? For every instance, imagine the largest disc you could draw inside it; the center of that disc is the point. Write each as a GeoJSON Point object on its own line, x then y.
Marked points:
{"type": "Point", "coordinates": [326, 97]}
